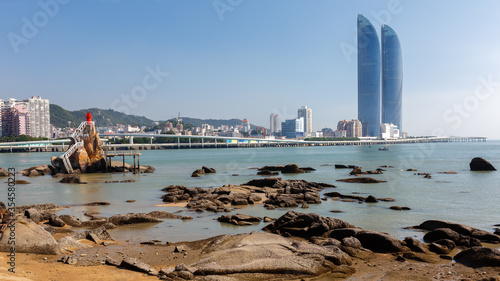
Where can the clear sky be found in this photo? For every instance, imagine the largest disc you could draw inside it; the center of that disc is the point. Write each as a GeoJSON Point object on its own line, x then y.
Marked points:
{"type": "Point", "coordinates": [250, 58]}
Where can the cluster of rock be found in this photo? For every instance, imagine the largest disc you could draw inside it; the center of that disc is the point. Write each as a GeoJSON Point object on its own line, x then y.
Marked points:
{"type": "Point", "coordinates": [356, 171]}
{"type": "Point", "coordinates": [357, 242]}
{"type": "Point", "coordinates": [291, 193]}
{"type": "Point", "coordinates": [202, 171]}
{"type": "Point", "coordinates": [280, 193]}
{"type": "Point", "coordinates": [213, 199]}
{"type": "Point", "coordinates": [35, 225]}
{"type": "Point", "coordinates": [284, 169]}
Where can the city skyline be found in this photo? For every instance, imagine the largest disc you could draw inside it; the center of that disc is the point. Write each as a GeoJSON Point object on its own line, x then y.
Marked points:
{"type": "Point", "coordinates": [155, 59]}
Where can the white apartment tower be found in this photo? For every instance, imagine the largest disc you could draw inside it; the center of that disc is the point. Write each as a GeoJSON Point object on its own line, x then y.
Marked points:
{"type": "Point", "coordinates": [274, 123]}
{"type": "Point", "coordinates": [306, 113]}
{"type": "Point", "coordinates": [39, 116]}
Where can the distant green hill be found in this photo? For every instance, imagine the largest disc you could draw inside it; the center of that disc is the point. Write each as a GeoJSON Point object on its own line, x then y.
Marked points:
{"type": "Point", "coordinates": [214, 122]}
{"type": "Point", "coordinates": [59, 117]}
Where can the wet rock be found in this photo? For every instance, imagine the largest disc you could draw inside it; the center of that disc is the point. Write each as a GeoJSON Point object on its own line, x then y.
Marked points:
{"type": "Point", "coordinates": [72, 179]}
{"type": "Point", "coordinates": [40, 207]}
{"type": "Point", "coordinates": [21, 182]}
{"type": "Point", "coordinates": [130, 201]}
{"type": "Point", "coordinates": [267, 173]}
{"type": "Point", "coordinates": [236, 219]}
{"type": "Point", "coordinates": [422, 257]}
{"type": "Point", "coordinates": [479, 257]}
{"type": "Point", "coordinates": [399, 208]}
{"type": "Point", "coordinates": [307, 169]}
{"type": "Point", "coordinates": [464, 230]}
{"type": "Point", "coordinates": [341, 166]}
{"type": "Point", "coordinates": [371, 199]}
{"type": "Point", "coordinates": [361, 180]}
{"type": "Point", "coordinates": [164, 215]}
{"type": "Point", "coordinates": [443, 246]}
{"type": "Point", "coordinates": [379, 242]}
{"type": "Point", "coordinates": [31, 238]}
{"type": "Point", "coordinates": [305, 225]}
{"type": "Point", "coordinates": [442, 233]}
{"type": "Point", "coordinates": [292, 169]}
{"type": "Point", "coordinates": [268, 219]}
{"type": "Point", "coordinates": [481, 164]}
{"type": "Point", "coordinates": [411, 170]}
{"type": "Point", "coordinates": [137, 265]}
{"type": "Point", "coordinates": [132, 218]}
{"type": "Point", "coordinates": [277, 168]}
{"type": "Point", "coordinates": [356, 171]}
{"type": "Point", "coordinates": [415, 245]}
{"type": "Point", "coordinates": [254, 198]}
{"type": "Point", "coordinates": [97, 203]}
{"type": "Point", "coordinates": [449, 172]}
{"type": "Point", "coordinates": [239, 201]}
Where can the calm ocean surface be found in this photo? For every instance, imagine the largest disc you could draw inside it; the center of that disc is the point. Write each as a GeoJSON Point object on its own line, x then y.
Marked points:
{"type": "Point", "coordinates": [471, 198]}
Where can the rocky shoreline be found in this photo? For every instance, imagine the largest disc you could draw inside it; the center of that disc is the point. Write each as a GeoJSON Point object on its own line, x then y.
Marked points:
{"type": "Point", "coordinates": [295, 246]}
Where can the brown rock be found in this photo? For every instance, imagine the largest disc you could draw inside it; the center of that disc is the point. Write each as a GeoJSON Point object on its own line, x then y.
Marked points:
{"type": "Point", "coordinates": [480, 164]}
{"type": "Point", "coordinates": [361, 180]}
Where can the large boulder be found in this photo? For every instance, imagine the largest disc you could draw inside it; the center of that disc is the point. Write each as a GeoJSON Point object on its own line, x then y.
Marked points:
{"type": "Point", "coordinates": [379, 242]}
{"type": "Point", "coordinates": [30, 238]}
{"type": "Point", "coordinates": [265, 256]}
{"type": "Point", "coordinates": [305, 225]}
{"type": "Point", "coordinates": [462, 229]}
{"type": "Point", "coordinates": [481, 164]}
{"type": "Point", "coordinates": [292, 169]}
{"type": "Point", "coordinates": [372, 240]}
{"type": "Point", "coordinates": [479, 257]}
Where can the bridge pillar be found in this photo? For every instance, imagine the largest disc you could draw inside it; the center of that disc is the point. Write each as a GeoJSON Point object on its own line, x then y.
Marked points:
{"type": "Point", "coordinates": [131, 140]}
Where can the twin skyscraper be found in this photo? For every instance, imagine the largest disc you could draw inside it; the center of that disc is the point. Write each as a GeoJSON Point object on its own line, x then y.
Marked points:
{"type": "Point", "coordinates": [372, 62]}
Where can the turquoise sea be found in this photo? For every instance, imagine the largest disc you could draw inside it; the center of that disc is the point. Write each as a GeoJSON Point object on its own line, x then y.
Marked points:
{"type": "Point", "coordinates": [471, 198]}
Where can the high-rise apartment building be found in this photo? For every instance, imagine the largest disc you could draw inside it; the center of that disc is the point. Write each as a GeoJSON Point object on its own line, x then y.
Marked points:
{"type": "Point", "coordinates": [15, 120]}
{"type": "Point", "coordinates": [306, 113]}
{"type": "Point", "coordinates": [37, 114]}
{"type": "Point", "coordinates": [354, 129]}
{"type": "Point", "coordinates": [368, 77]}
{"type": "Point", "coordinates": [40, 116]}
{"type": "Point", "coordinates": [392, 77]}
{"type": "Point", "coordinates": [274, 123]}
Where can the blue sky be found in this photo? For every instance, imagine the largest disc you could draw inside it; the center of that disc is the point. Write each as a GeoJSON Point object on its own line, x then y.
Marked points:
{"type": "Point", "coordinates": [248, 59]}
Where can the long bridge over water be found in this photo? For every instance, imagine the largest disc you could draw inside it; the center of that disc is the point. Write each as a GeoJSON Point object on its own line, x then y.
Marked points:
{"type": "Point", "coordinates": [188, 141]}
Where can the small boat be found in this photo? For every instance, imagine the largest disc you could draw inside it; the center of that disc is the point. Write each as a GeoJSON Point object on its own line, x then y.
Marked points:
{"type": "Point", "coordinates": [384, 149]}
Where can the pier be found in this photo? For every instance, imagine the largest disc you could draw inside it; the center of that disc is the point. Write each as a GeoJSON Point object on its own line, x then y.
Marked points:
{"type": "Point", "coordinates": [110, 154]}
{"type": "Point", "coordinates": [214, 142]}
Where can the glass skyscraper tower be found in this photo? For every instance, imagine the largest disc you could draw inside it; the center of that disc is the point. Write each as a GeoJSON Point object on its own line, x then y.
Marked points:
{"type": "Point", "coordinates": [392, 77]}
{"type": "Point", "coordinates": [368, 78]}
{"type": "Point", "coordinates": [370, 67]}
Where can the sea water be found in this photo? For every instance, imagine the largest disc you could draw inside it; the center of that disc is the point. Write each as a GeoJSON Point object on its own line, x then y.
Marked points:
{"type": "Point", "coordinates": [471, 198]}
